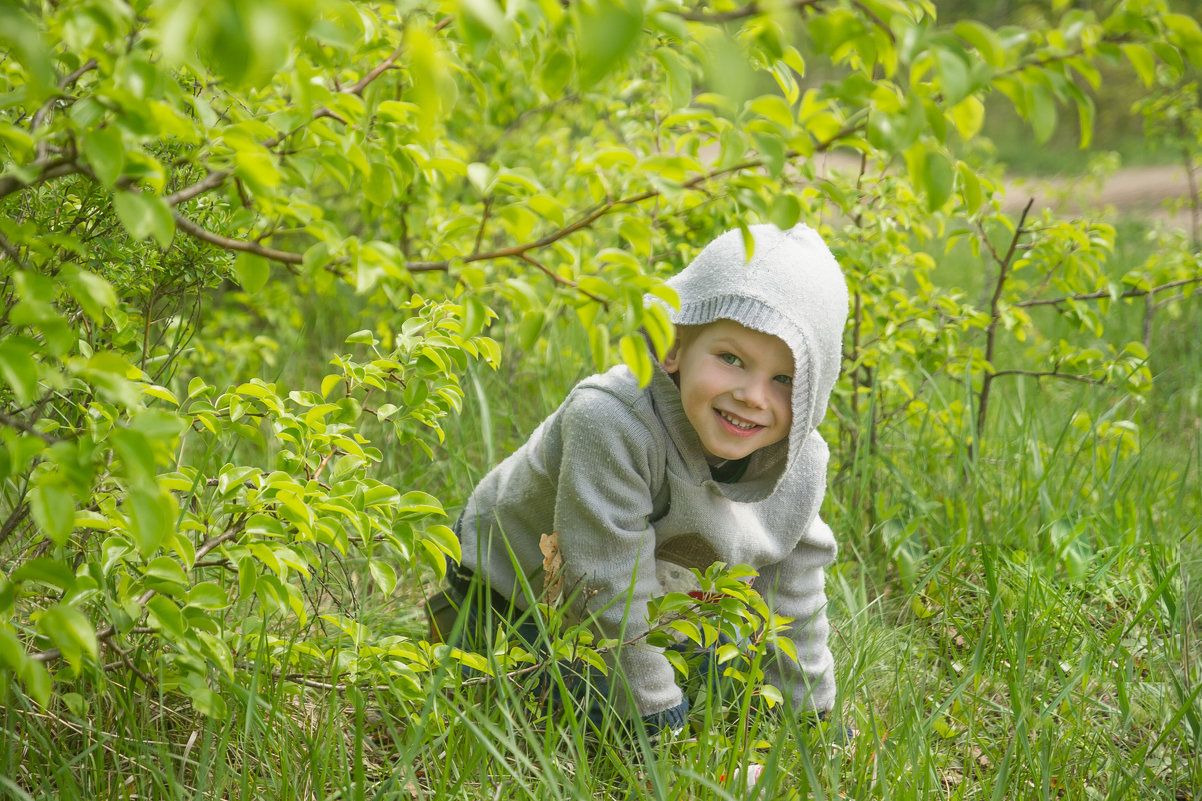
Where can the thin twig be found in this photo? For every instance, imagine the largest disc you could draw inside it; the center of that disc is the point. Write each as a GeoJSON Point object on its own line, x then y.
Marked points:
{"type": "Point", "coordinates": [559, 279]}
{"type": "Point", "coordinates": [1105, 293]}
{"type": "Point", "coordinates": [995, 317]}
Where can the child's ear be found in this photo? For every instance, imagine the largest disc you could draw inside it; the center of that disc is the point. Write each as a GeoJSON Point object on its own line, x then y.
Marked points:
{"type": "Point", "coordinates": [671, 360]}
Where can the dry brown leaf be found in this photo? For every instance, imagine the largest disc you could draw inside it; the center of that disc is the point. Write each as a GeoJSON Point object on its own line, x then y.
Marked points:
{"type": "Point", "coordinates": [552, 567]}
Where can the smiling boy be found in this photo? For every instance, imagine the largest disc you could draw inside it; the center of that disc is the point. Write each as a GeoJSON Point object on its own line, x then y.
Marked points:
{"type": "Point", "coordinates": [717, 459]}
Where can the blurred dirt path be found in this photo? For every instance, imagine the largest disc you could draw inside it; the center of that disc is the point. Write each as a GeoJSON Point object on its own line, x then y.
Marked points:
{"type": "Point", "coordinates": [1140, 192]}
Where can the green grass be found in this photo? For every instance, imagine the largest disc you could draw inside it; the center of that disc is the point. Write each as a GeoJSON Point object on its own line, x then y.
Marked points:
{"type": "Point", "coordinates": [1022, 623]}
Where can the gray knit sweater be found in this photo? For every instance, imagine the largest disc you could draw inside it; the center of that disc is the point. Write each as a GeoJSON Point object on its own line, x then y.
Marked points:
{"type": "Point", "coordinates": [618, 471]}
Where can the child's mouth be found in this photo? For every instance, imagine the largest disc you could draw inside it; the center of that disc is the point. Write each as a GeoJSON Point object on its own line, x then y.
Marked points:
{"type": "Point", "coordinates": [739, 425]}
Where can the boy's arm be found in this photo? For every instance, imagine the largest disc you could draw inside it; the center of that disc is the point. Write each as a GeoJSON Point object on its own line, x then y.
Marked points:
{"type": "Point", "coordinates": [795, 587]}
{"type": "Point", "coordinates": [610, 464]}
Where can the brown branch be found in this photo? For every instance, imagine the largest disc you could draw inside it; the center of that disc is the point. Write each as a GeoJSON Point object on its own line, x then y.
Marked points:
{"type": "Point", "coordinates": [1050, 374]}
{"type": "Point", "coordinates": [21, 425]}
{"type": "Point", "coordinates": [205, 235]}
{"type": "Point", "coordinates": [208, 183]}
{"type": "Point", "coordinates": [72, 77]}
{"type": "Point", "coordinates": [361, 84]}
{"type": "Point", "coordinates": [591, 216]}
{"type": "Point", "coordinates": [50, 169]}
{"type": "Point", "coordinates": [15, 519]}
{"type": "Point", "coordinates": [1105, 293]}
{"type": "Point", "coordinates": [321, 467]}
{"type": "Point", "coordinates": [750, 10]}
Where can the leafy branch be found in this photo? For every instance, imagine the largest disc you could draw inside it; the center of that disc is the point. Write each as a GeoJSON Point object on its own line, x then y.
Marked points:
{"type": "Point", "coordinates": [107, 632]}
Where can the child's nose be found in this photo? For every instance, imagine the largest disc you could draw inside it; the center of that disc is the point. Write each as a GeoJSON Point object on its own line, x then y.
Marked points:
{"type": "Point", "coordinates": [754, 393]}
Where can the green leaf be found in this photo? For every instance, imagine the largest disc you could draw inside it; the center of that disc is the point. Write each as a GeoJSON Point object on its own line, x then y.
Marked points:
{"type": "Point", "coordinates": [433, 90]}
{"type": "Point", "coordinates": [145, 215]}
{"type": "Point", "coordinates": [329, 382]}
{"type": "Point", "coordinates": [252, 271]}
{"type": "Point", "coordinates": [785, 211]}
{"type": "Point", "coordinates": [486, 13]}
{"type": "Point", "coordinates": [728, 71]}
{"type": "Point", "coordinates": [90, 291]}
{"type": "Point", "coordinates": [21, 37]}
{"type": "Point", "coordinates": [151, 515]}
{"type": "Point", "coordinates": [381, 184]}
{"type": "Point", "coordinates": [1042, 109]}
{"type": "Point", "coordinates": [659, 328]}
{"type": "Point", "coordinates": [481, 177]}
{"type": "Point", "coordinates": [1142, 59]}
{"type": "Point", "coordinates": [634, 353]}
{"type": "Point", "coordinates": [984, 39]}
{"type": "Point", "coordinates": [248, 578]}
{"type": "Point", "coordinates": [953, 74]}
{"type": "Point", "coordinates": [556, 71]}
{"type": "Point", "coordinates": [51, 572]}
{"type": "Point", "coordinates": [772, 695]}
{"type": "Point", "coordinates": [166, 616]}
{"type": "Point", "coordinates": [937, 178]}
{"type": "Point", "coordinates": [607, 31]}
{"type": "Point", "coordinates": [680, 79]}
{"type": "Point", "coordinates": [530, 327]}
{"type": "Point", "coordinates": [71, 632]}
{"type": "Point", "coordinates": [475, 315]}
{"type": "Point", "coordinates": [37, 681]}
{"type": "Point", "coordinates": [208, 703]}
{"type": "Point", "coordinates": [208, 595]}
{"type": "Point", "coordinates": [418, 501]}
{"type": "Point", "coordinates": [444, 538]}
{"type": "Point", "coordinates": [136, 455]}
{"type": "Point", "coordinates": [105, 152]}
{"type": "Point", "coordinates": [167, 569]}
{"type": "Point", "coordinates": [968, 116]}
{"type": "Point", "coordinates": [19, 370]}
{"type": "Point", "coordinates": [384, 575]}
{"type": "Point", "coordinates": [53, 510]}
{"type": "Point", "coordinates": [970, 188]}
{"type": "Point", "coordinates": [12, 653]}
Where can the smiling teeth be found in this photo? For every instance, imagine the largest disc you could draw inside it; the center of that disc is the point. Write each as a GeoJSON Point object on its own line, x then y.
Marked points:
{"type": "Point", "coordinates": [737, 423]}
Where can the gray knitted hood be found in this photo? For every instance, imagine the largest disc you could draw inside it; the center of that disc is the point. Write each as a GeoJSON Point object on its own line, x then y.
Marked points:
{"type": "Point", "coordinates": [791, 288]}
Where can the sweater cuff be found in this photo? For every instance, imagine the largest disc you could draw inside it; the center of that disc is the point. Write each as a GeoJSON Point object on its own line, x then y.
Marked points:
{"type": "Point", "coordinates": [671, 720]}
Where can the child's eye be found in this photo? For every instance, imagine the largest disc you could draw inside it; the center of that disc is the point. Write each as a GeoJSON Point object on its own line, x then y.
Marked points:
{"type": "Point", "coordinates": [730, 359]}
{"type": "Point", "coordinates": [787, 380]}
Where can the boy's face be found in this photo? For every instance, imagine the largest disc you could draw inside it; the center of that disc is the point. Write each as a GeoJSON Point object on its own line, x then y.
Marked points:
{"type": "Point", "coordinates": [736, 386]}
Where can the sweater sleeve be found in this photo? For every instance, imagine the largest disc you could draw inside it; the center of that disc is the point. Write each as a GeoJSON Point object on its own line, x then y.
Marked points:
{"type": "Point", "coordinates": [795, 588]}
{"type": "Point", "coordinates": [610, 464]}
